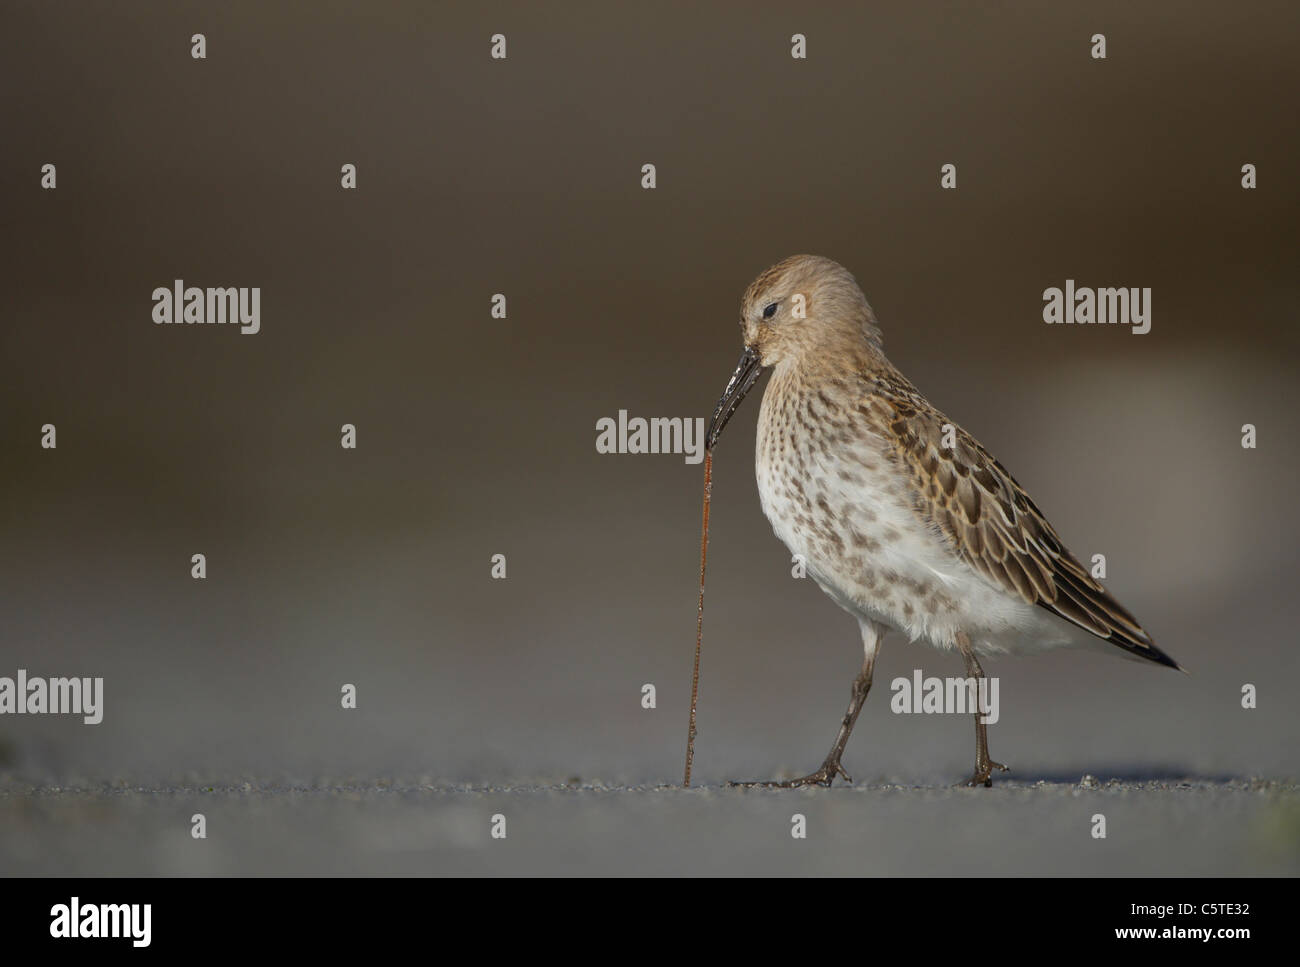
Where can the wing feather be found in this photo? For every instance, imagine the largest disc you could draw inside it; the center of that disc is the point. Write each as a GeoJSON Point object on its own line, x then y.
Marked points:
{"type": "Point", "coordinates": [991, 522]}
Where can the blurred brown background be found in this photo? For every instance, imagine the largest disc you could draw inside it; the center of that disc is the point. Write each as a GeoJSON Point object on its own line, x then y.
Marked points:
{"type": "Point", "coordinates": [477, 436]}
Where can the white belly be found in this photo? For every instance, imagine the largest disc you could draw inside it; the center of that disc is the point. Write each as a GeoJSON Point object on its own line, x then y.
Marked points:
{"type": "Point", "coordinates": [847, 512]}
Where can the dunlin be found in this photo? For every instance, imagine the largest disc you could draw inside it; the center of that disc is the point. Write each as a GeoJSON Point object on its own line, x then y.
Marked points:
{"type": "Point", "coordinates": [903, 519]}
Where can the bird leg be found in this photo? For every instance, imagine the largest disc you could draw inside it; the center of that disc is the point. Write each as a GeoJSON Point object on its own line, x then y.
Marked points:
{"type": "Point", "coordinates": [984, 766]}
{"type": "Point", "coordinates": [857, 698]}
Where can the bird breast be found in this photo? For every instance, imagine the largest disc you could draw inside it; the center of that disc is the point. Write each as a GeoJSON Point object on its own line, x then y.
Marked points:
{"type": "Point", "coordinates": [831, 488]}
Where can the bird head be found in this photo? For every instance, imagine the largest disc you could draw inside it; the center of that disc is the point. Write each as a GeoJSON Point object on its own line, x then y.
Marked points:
{"type": "Point", "coordinates": [806, 310]}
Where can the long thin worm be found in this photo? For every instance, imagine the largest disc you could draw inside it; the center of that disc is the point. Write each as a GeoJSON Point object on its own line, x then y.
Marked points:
{"type": "Point", "coordinates": [699, 619]}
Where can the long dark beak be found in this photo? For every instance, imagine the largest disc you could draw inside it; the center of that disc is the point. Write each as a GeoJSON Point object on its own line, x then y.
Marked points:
{"type": "Point", "coordinates": [748, 370]}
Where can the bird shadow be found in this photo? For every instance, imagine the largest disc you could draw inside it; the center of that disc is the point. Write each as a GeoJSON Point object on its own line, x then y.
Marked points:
{"type": "Point", "coordinates": [1126, 774]}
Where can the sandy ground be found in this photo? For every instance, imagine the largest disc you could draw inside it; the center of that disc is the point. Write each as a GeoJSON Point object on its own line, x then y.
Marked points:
{"type": "Point", "coordinates": [1153, 827]}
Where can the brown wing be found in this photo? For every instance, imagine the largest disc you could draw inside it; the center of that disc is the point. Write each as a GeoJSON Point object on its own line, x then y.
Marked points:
{"type": "Point", "coordinates": [993, 523]}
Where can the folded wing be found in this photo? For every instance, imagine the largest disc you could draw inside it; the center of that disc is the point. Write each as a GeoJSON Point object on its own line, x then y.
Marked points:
{"type": "Point", "coordinates": [992, 523]}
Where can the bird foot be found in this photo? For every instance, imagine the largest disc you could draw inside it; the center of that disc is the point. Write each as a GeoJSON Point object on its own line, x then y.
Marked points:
{"type": "Point", "coordinates": [983, 776]}
{"type": "Point", "coordinates": [822, 777]}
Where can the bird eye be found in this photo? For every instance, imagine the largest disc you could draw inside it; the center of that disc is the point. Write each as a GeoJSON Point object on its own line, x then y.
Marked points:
{"type": "Point", "coordinates": [770, 311]}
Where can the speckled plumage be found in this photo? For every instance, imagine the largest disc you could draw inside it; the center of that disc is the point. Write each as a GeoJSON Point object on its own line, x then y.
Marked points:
{"type": "Point", "coordinates": [901, 516]}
